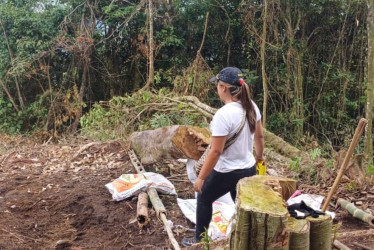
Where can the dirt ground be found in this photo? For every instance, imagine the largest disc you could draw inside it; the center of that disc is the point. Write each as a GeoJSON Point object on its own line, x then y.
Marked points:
{"type": "Point", "coordinates": [53, 196]}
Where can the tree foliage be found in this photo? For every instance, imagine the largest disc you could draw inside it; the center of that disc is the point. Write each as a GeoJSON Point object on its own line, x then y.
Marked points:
{"type": "Point", "coordinates": [315, 54]}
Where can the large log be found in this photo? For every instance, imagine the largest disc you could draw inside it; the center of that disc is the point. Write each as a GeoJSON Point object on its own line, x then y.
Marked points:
{"type": "Point", "coordinates": [320, 232]}
{"type": "Point", "coordinates": [261, 218]}
{"type": "Point", "coordinates": [299, 234]}
{"type": "Point", "coordinates": [170, 142]}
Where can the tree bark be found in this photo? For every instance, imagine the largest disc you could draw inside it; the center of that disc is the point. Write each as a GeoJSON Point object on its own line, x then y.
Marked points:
{"type": "Point", "coordinates": [151, 73]}
{"type": "Point", "coordinates": [299, 231]}
{"type": "Point", "coordinates": [320, 232]}
{"type": "Point", "coordinates": [3, 85]}
{"type": "Point", "coordinates": [263, 72]}
{"type": "Point", "coordinates": [370, 81]}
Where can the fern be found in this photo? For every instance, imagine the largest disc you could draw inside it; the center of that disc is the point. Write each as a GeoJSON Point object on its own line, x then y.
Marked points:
{"type": "Point", "coordinates": [160, 120]}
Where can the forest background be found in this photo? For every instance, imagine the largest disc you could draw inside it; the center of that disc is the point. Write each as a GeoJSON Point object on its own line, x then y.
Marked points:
{"type": "Point", "coordinates": [107, 68]}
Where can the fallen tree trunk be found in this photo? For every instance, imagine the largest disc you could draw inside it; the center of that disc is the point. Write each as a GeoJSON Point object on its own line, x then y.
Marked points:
{"type": "Point", "coordinates": [170, 142]}
{"type": "Point", "coordinates": [261, 218]}
{"type": "Point", "coordinates": [154, 145]}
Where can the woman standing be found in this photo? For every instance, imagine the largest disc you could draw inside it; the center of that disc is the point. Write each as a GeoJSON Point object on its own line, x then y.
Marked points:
{"type": "Point", "coordinates": [223, 169]}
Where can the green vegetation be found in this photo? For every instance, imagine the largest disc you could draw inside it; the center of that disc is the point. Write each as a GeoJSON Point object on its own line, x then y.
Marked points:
{"type": "Point", "coordinates": [70, 66]}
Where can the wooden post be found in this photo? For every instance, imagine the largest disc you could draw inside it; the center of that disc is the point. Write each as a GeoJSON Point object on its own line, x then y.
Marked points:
{"type": "Point", "coordinates": [299, 231]}
{"type": "Point", "coordinates": [359, 130]}
{"type": "Point", "coordinates": [320, 232]}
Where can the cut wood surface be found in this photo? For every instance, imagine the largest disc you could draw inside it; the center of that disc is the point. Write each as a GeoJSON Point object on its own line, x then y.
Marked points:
{"type": "Point", "coordinates": [261, 218]}
{"type": "Point", "coordinates": [299, 231]}
{"type": "Point", "coordinates": [284, 186]}
{"type": "Point", "coordinates": [170, 142]}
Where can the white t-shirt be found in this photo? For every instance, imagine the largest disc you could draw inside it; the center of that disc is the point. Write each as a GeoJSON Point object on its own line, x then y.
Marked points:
{"type": "Point", "coordinates": [226, 121]}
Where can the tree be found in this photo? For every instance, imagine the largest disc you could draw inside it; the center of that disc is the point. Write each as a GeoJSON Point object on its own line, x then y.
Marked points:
{"type": "Point", "coordinates": [370, 81]}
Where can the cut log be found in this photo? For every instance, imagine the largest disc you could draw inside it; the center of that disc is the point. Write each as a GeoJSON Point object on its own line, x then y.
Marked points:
{"type": "Point", "coordinates": [170, 142]}
{"type": "Point", "coordinates": [142, 210]}
{"type": "Point", "coordinates": [284, 186]}
{"type": "Point", "coordinates": [261, 218]}
{"type": "Point", "coordinates": [356, 212]}
{"type": "Point", "coordinates": [320, 232]}
{"type": "Point", "coordinates": [299, 234]}
{"type": "Point", "coordinates": [155, 200]}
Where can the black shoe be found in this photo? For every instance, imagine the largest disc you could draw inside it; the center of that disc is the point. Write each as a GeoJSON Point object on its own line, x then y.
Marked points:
{"type": "Point", "coordinates": [186, 242]}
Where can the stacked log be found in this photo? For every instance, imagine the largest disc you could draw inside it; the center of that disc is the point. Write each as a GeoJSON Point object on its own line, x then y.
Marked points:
{"type": "Point", "coordinates": [299, 234]}
{"type": "Point", "coordinates": [263, 222]}
{"type": "Point", "coordinates": [320, 232]}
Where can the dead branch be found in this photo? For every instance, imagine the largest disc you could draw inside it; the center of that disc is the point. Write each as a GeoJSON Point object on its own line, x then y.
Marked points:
{"type": "Point", "coordinates": [84, 148]}
{"type": "Point", "coordinates": [142, 210]}
{"type": "Point", "coordinates": [362, 246]}
{"type": "Point", "coordinates": [340, 245]}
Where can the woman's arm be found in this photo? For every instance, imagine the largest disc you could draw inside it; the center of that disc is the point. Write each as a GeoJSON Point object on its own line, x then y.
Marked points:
{"type": "Point", "coordinates": [259, 141]}
{"type": "Point", "coordinates": [216, 149]}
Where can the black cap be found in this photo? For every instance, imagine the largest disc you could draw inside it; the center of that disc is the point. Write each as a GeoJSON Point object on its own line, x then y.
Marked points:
{"type": "Point", "coordinates": [230, 75]}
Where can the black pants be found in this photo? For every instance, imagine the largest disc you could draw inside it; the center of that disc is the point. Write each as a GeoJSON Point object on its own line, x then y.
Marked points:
{"type": "Point", "coordinates": [216, 185]}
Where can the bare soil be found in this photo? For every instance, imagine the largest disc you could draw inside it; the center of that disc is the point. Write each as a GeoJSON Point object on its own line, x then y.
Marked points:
{"type": "Point", "coordinates": [53, 196]}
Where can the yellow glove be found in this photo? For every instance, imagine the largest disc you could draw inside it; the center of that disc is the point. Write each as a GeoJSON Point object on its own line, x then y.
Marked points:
{"type": "Point", "coordinates": [261, 168]}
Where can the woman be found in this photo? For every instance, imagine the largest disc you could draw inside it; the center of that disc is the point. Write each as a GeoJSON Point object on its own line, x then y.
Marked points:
{"type": "Point", "coordinates": [223, 169]}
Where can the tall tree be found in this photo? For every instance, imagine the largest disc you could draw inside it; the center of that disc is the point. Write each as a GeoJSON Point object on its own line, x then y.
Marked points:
{"type": "Point", "coordinates": [370, 80]}
{"type": "Point", "coordinates": [263, 61]}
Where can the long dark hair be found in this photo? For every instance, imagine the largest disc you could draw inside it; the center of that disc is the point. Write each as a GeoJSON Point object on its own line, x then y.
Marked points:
{"type": "Point", "coordinates": [244, 95]}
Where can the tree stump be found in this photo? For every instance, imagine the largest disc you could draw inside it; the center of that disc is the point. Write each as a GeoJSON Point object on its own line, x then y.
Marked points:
{"type": "Point", "coordinates": [299, 231]}
{"type": "Point", "coordinates": [320, 232]}
{"type": "Point", "coordinates": [261, 218]}
{"type": "Point", "coordinates": [170, 142]}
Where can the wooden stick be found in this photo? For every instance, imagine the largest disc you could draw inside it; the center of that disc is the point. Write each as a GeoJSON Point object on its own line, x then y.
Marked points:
{"type": "Point", "coordinates": [359, 130]}
{"type": "Point", "coordinates": [142, 210]}
{"type": "Point", "coordinates": [155, 200]}
{"type": "Point", "coordinates": [356, 233]}
{"type": "Point", "coordinates": [340, 245]}
{"type": "Point", "coordinates": [362, 246]}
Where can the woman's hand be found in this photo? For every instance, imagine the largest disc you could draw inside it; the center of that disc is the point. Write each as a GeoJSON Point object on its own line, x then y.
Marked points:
{"type": "Point", "coordinates": [259, 158]}
{"type": "Point", "coordinates": [198, 184]}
